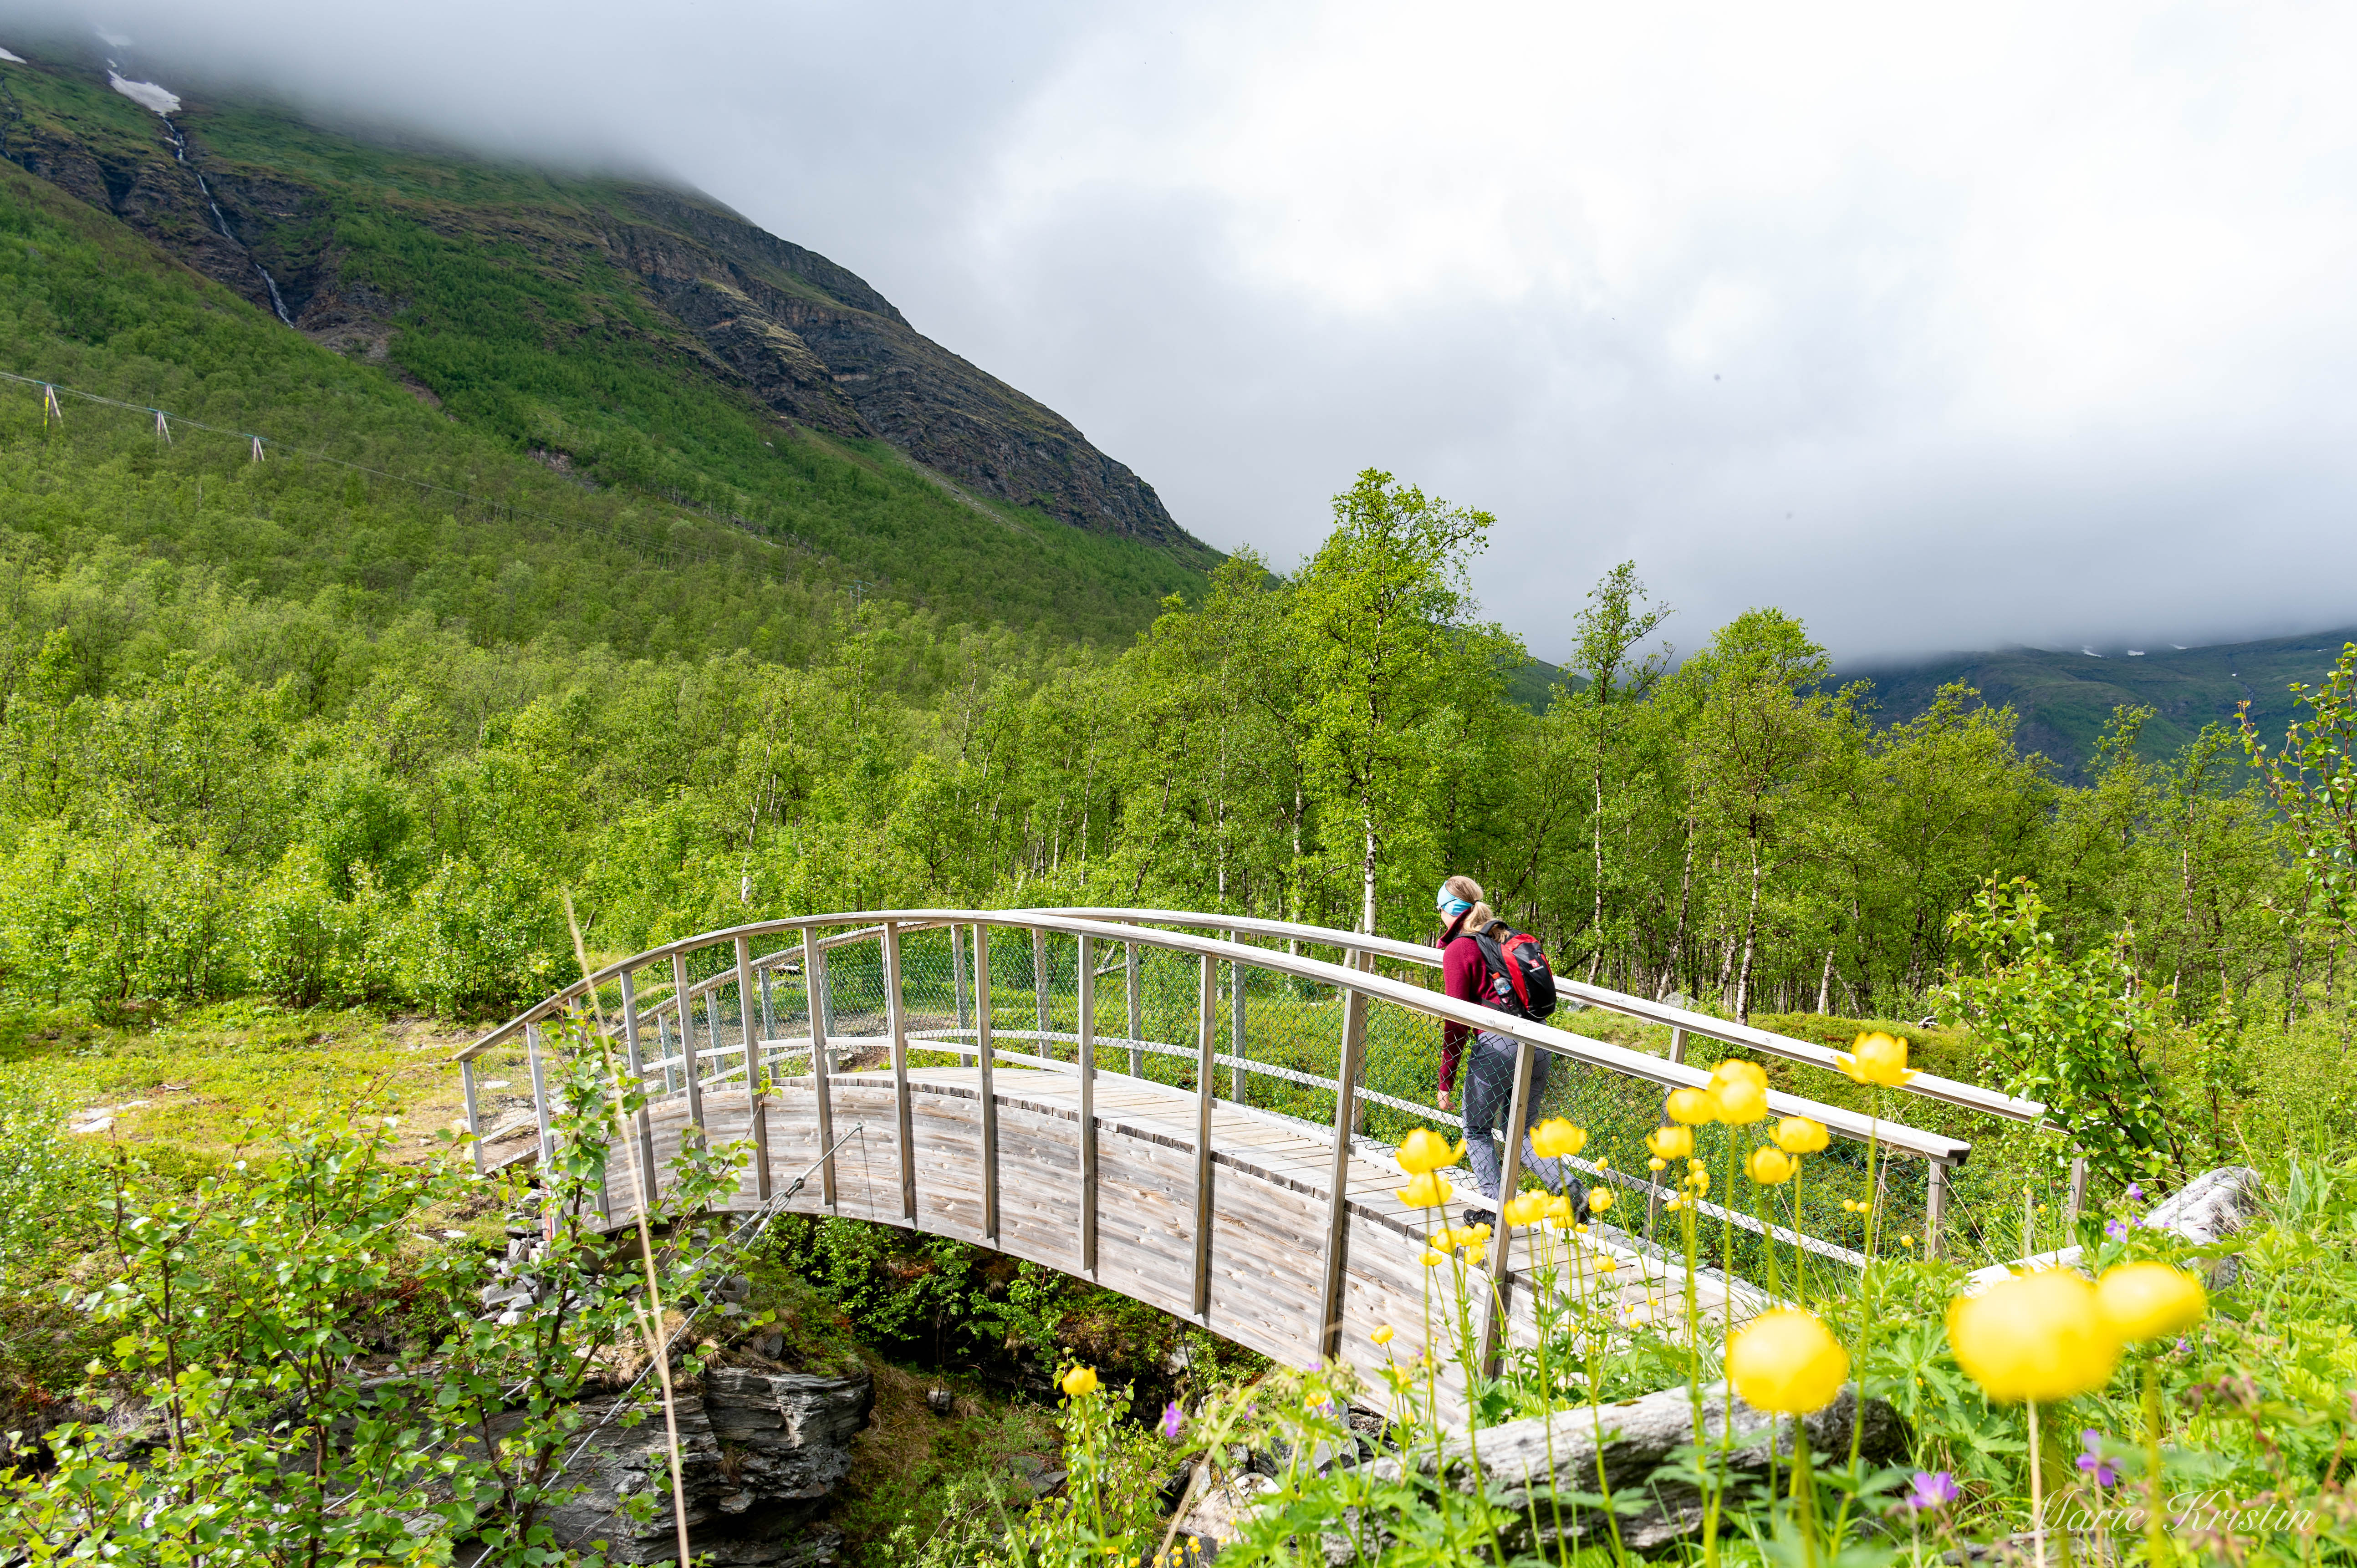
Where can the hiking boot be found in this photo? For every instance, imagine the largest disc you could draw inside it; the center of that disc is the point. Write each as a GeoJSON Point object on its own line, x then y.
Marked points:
{"type": "Point", "coordinates": [1481, 1217]}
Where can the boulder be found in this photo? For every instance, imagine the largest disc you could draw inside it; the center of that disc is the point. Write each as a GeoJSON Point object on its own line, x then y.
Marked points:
{"type": "Point", "coordinates": [1640, 1435]}
{"type": "Point", "coordinates": [763, 1452]}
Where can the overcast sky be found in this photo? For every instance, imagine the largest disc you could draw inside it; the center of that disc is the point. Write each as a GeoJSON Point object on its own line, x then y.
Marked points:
{"type": "Point", "coordinates": [1940, 327]}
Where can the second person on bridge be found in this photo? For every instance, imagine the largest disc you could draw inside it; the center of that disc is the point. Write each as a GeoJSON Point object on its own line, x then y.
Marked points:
{"type": "Point", "coordinates": [1467, 974]}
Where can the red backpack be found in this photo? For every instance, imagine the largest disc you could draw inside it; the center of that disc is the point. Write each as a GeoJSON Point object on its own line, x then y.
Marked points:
{"type": "Point", "coordinates": [1521, 982]}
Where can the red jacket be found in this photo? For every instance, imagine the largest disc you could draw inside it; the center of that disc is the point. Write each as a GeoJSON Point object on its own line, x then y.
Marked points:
{"type": "Point", "coordinates": [1462, 975]}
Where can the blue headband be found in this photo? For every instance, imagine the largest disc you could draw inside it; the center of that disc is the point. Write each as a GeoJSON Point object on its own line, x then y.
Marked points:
{"type": "Point", "coordinates": [1452, 908]}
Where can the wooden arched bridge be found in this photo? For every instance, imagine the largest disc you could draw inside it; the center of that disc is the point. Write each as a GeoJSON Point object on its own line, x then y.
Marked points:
{"type": "Point", "coordinates": [1181, 1107]}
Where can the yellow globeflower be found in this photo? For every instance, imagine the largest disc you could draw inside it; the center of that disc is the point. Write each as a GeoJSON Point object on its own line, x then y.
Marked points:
{"type": "Point", "coordinates": [1877, 1057]}
{"type": "Point", "coordinates": [1078, 1381]}
{"type": "Point", "coordinates": [1599, 1199]}
{"type": "Point", "coordinates": [2038, 1337]}
{"type": "Point", "coordinates": [1433, 1258]}
{"type": "Point", "coordinates": [1428, 1190]}
{"type": "Point", "coordinates": [1525, 1207]}
{"type": "Point", "coordinates": [1771, 1167]}
{"type": "Point", "coordinates": [1801, 1135]}
{"type": "Point", "coordinates": [1737, 1071]}
{"type": "Point", "coordinates": [1558, 1211]}
{"type": "Point", "coordinates": [1555, 1138]}
{"type": "Point", "coordinates": [1656, 1162]}
{"type": "Point", "coordinates": [1692, 1107]}
{"type": "Point", "coordinates": [2150, 1301]}
{"type": "Point", "coordinates": [1671, 1143]}
{"type": "Point", "coordinates": [1698, 1179]}
{"type": "Point", "coordinates": [1425, 1150]}
{"type": "Point", "coordinates": [1383, 1336]}
{"type": "Point", "coordinates": [1474, 1254]}
{"type": "Point", "coordinates": [1786, 1361]}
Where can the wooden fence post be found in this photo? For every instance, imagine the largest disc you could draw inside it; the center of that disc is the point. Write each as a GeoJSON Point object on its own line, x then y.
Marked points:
{"type": "Point", "coordinates": [1086, 1028]}
{"type": "Point", "coordinates": [813, 983]}
{"type": "Point", "coordinates": [1338, 1201]}
{"type": "Point", "coordinates": [1136, 1011]}
{"type": "Point", "coordinates": [1206, 1039]}
{"type": "Point", "coordinates": [756, 1084]}
{"type": "Point", "coordinates": [1501, 1235]}
{"type": "Point", "coordinates": [989, 1094]}
{"type": "Point", "coordinates": [687, 1040]}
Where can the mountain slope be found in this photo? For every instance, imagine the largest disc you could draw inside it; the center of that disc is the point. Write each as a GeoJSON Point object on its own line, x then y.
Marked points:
{"type": "Point", "coordinates": [626, 336]}
{"type": "Point", "coordinates": [2066, 699]}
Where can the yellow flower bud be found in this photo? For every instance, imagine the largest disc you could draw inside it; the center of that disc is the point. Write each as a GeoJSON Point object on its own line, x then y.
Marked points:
{"type": "Point", "coordinates": [1737, 1071]}
{"type": "Point", "coordinates": [1787, 1362]}
{"type": "Point", "coordinates": [1383, 1335]}
{"type": "Point", "coordinates": [1429, 1189]}
{"type": "Point", "coordinates": [1557, 1138]}
{"type": "Point", "coordinates": [1079, 1381]}
{"type": "Point", "coordinates": [1425, 1150]}
{"type": "Point", "coordinates": [1771, 1167]}
{"type": "Point", "coordinates": [1656, 1162]}
{"type": "Point", "coordinates": [1599, 1199]}
{"type": "Point", "coordinates": [1692, 1107]}
{"type": "Point", "coordinates": [1877, 1057]}
{"type": "Point", "coordinates": [1525, 1209]}
{"type": "Point", "coordinates": [1742, 1103]}
{"type": "Point", "coordinates": [1801, 1135]}
{"type": "Point", "coordinates": [1671, 1143]}
{"type": "Point", "coordinates": [2150, 1301]}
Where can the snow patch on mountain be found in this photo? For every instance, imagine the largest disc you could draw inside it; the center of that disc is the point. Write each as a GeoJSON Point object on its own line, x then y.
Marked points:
{"type": "Point", "coordinates": [146, 94]}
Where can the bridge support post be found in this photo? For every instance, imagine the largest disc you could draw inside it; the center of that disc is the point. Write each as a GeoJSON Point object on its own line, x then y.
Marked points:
{"type": "Point", "coordinates": [814, 983]}
{"type": "Point", "coordinates": [1236, 1029]}
{"type": "Point", "coordinates": [1086, 1028]}
{"type": "Point", "coordinates": [1136, 1011]}
{"type": "Point", "coordinates": [757, 1078]}
{"type": "Point", "coordinates": [1039, 989]}
{"type": "Point", "coordinates": [957, 974]}
{"type": "Point", "coordinates": [1653, 1203]}
{"type": "Point", "coordinates": [1206, 1039]}
{"type": "Point", "coordinates": [895, 1019]}
{"type": "Point", "coordinates": [1502, 1240]}
{"type": "Point", "coordinates": [1338, 1183]}
{"type": "Point", "coordinates": [685, 1006]}
{"type": "Point", "coordinates": [989, 1094]}
{"type": "Point", "coordinates": [539, 1093]}
{"type": "Point", "coordinates": [637, 1081]}
{"type": "Point", "coordinates": [1936, 1206]}
{"type": "Point", "coordinates": [474, 1118]}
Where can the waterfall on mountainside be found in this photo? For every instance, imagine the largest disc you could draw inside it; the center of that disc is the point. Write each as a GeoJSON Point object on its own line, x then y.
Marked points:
{"type": "Point", "coordinates": [221, 218]}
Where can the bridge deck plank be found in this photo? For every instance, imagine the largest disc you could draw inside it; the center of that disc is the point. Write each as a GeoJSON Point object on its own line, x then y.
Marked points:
{"type": "Point", "coordinates": [1269, 1188]}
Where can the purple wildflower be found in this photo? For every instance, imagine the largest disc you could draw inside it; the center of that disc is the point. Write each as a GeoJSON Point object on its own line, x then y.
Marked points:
{"type": "Point", "coordinates": [2117, 1229]}
{"type": "Point", "coordinates": [2136, 1193]}
{"type": "Point", "coordinates": [1173, 1421]}
{"type": "Point", "coordinates": [2093, 1460]}
{"type": "Point", "coordinates": [1933, 1489]}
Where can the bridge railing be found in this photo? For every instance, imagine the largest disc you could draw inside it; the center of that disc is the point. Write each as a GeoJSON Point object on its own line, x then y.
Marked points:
{"type": "Point", "coordinates": [1191, 1001]}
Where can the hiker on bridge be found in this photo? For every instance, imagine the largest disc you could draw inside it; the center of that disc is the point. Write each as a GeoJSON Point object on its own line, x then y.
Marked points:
{"type": "Point", "coordinates": [1470, 973]}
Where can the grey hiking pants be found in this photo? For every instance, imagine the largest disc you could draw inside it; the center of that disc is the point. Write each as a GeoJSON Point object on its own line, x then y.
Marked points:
{"type": "Point", "coordinates": [1490, 1101]}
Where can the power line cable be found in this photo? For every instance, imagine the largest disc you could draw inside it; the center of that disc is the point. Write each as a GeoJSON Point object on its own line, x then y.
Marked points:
{"type": "Point", "coordinates": [164, 420]}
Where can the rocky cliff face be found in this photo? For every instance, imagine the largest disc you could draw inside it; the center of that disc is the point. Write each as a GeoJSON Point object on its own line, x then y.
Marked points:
{"type": "Point", "coordinates": [764, 1453]}
{"type": "Point", "coordinates": [794, 331]}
